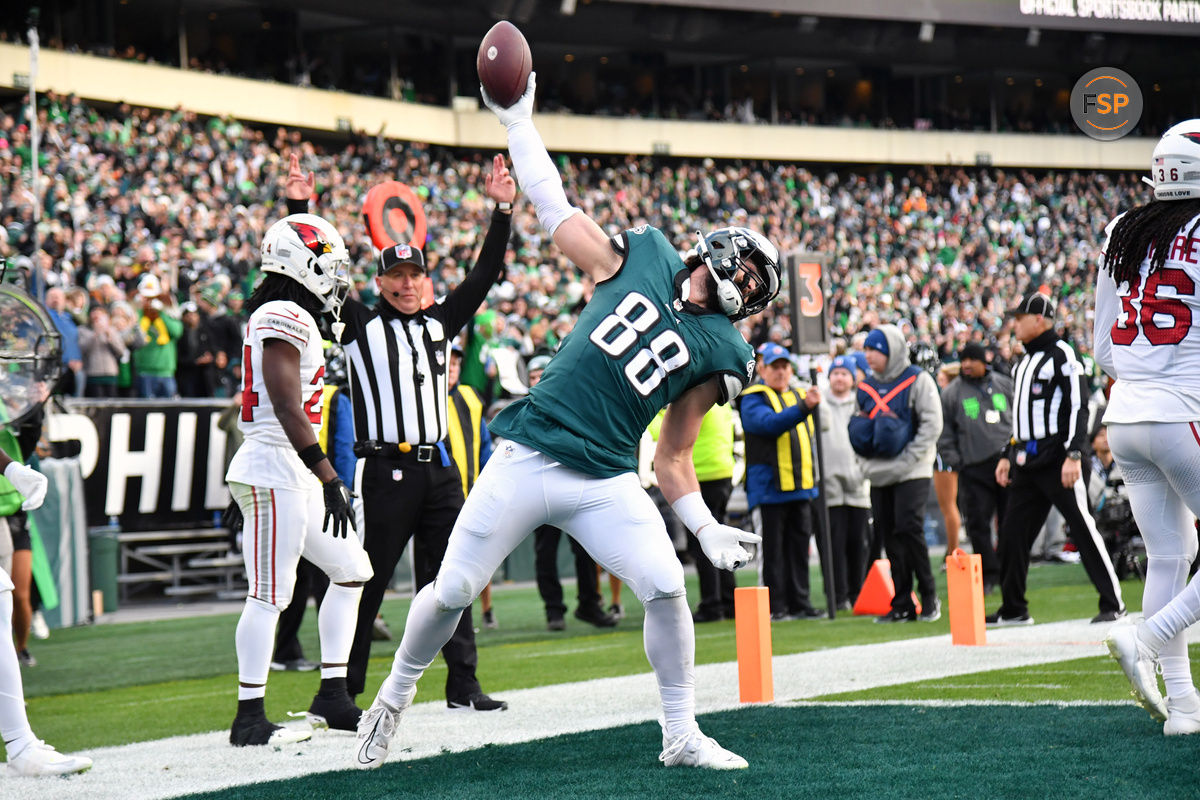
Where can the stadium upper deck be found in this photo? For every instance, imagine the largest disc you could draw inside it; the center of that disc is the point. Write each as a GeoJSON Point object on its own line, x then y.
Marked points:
{"type": "Point", "coordinates": [978, 65]}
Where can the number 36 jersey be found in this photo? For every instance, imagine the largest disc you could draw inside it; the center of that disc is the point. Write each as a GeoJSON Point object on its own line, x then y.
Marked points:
{"type": "Point", "coordinates": [635, 348]}
{"type": "Point", "coordinates": [266, 457]}
{"type": "Point", "coordinates": [1147, 336]}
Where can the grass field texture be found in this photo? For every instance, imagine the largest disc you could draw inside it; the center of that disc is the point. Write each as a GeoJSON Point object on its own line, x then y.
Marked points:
{"type": "Point", "coordinates": [115, 684]}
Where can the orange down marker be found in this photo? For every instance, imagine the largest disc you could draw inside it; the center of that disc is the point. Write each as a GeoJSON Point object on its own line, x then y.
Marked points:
{"type": "Point", "coordinates": [752, 610]}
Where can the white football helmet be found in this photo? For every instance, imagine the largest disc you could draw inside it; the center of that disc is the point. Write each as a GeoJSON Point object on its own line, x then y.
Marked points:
{"type": "Point", "coordinates": [745, 266]}
{"type": "Point", "coordinates": [310, 251]}
{"type": "Point", "coordinates": [1175, 165]}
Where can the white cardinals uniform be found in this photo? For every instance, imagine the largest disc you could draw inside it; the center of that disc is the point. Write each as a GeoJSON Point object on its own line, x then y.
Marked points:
{"type": "Point", "coordinates": [1147, 337]}
{"type": "Point", "coordinates": [280, 498]}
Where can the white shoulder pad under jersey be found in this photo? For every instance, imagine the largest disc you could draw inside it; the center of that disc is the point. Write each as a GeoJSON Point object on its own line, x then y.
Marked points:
{"type": "Point", "coordinates": [288, 322]}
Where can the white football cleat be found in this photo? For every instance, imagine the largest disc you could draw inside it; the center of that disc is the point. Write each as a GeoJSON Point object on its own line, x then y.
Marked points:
{"type": "Point", "coordinates": [375, 731]}
{"type": "Point", "coordinates": [40, 759]}
{"type": "Point", "coordinates": [697, 750]}
{"type": "Point", "coordinates": [1137, 662]}
{"type": "Point", "coordinates": [1183, 715]}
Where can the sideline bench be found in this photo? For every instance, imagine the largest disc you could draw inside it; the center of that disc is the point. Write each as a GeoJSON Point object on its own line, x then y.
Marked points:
{"type": "Point", "coordinates": [190, 562]}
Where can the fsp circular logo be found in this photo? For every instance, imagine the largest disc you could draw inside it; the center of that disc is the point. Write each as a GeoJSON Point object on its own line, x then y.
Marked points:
{"type": "Point", "coordinates": [1106, 103]}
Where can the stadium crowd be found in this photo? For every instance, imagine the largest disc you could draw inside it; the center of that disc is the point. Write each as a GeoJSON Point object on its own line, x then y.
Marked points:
{"type": "Point", "coordinates": [134, 192]}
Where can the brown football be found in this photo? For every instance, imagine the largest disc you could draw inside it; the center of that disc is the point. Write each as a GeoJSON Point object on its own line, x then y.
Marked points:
{"type": "Point", "coordinates": [503, 63]}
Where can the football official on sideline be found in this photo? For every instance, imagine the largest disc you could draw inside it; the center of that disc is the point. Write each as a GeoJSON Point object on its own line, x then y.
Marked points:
{"type": "Point", "coordinates": [1043, 465]}
{"type": "Point", "coordinates": [398, 354]}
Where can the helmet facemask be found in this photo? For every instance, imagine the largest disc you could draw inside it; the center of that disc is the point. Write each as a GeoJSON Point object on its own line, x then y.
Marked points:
{"type": "Point", "coordinates": [745, 267]}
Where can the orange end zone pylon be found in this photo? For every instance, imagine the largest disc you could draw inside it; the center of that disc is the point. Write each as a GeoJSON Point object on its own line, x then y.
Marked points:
{"type": "Point", "coordinates": [752, 610]}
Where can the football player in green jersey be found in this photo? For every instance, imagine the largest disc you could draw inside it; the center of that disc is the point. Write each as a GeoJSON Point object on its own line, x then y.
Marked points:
{"type": "Point", "coordinates": [657, 331]}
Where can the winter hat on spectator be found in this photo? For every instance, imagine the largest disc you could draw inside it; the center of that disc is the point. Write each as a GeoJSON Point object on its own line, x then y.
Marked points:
{"type": "Point", "coordinates": [211, 294]}
{"type": "Point", "coordinates": [844, 362]}
{"type": "Point", "coordinates": [149, 286]}
{"type": "Point", "coordinates": [973, 351]}
{"type": "Point", "coordinates": [538, 362]}
{"type": "Point", "coordinates": [876, 340]}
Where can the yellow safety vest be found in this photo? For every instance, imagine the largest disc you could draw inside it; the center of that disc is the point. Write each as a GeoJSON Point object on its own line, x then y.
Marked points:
{"type": "Point", "coordinates": [466, 416]}
{"type": "Point", "coordinates": [790, 449]}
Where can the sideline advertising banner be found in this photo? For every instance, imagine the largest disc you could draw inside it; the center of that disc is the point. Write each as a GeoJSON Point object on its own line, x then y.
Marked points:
{"type": "Point", "coordinates": [152, 464]}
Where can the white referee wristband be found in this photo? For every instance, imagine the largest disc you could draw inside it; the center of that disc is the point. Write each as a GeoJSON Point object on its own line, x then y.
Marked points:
{"type": "Point", "coordinates": [692, 511]}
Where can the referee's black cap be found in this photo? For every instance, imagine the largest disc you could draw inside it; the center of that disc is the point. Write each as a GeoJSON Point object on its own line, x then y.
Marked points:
{"type": "Point", "coordinates": [1034, 303]}
{"type": "Point", "coordinates": [400, 254]}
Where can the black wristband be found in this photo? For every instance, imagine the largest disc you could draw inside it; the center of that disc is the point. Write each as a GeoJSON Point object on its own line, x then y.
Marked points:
{"type": "Point", "coordinates": [312, 455]}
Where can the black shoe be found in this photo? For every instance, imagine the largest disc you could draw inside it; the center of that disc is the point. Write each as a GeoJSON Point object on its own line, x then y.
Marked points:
{"type": "Point", "coordinates": [930, 612]}
{"type": "Point", "coordinates": [595, 616]}
{"type": "Point", "coordinates": [781, 616]}
{"type": "Point", "coordinates": [380, 632]}
{"type": "Point", "coordinates": [556, 624]}
{"type": "Point", "coordinates": [996, 620]}
{"type": "Point", "coordinates": [478, 702]}
{"type": "Point", "coordinates": [809, 613]}
{"type": "Point", "coordinates": [898, 616]}
{"type": "Point", "coordinates": [337, 712]}
{"type": "Point", "coordinates": [707, 616]}
{"type": "Point", "coordinates": [845, 605]}
{"type": "Point", "coordinates": [252, 730]}
{"type": "Point", "coordinates": [1108, 616]}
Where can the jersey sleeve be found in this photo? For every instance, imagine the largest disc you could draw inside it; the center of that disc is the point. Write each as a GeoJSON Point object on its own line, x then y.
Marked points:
{"type": "Point", "coordinates": [285, 321]}
{"type": "Point", "coordinates": [732, 361]}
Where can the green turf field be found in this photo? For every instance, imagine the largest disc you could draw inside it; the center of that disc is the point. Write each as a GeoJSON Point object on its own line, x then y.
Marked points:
{"type": "Point", "coordinates": [94, 685]}
{"type": "Point", "coordinates": [808, 752]}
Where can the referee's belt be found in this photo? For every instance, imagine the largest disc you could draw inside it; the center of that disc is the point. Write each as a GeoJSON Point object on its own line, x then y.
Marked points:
{"type": "Point", "coordinates": [422, 453]}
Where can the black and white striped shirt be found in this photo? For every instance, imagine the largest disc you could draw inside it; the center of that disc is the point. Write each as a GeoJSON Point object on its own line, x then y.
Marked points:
{"type": "Point", "coordinates": [397, 362]}
{"type": "Point", "coordinates": [1050, 403]}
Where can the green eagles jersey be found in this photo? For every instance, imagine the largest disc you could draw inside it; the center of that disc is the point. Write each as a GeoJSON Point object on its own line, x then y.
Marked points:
{"type": "Point", "coordinates": [634, 349]}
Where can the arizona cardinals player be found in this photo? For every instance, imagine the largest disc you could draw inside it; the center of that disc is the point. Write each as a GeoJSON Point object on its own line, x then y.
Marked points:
{"type": "Point", "coordinates": [1147, 336]}
{"type": "Point", "coordinates": [290, 496]}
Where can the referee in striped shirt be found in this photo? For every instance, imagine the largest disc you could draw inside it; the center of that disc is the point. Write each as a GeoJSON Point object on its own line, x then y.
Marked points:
{"type": "Point", "coordinates": [398, 353]}
{"type": "Point", "coordinates": [1043, 464]}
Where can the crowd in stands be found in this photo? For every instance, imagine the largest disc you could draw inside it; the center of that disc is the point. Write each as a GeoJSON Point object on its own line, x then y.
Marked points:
{"type": "Point", "coordinates": [155, 218]}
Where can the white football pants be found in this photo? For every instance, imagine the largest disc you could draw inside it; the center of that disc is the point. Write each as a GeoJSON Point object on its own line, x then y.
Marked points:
{"type": "Point", "coordinates": [1160, 462]}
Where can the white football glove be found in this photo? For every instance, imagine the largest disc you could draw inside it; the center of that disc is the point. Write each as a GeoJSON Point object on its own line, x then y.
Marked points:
{"type": "Point", "coordinates": [723, 545]}
{"type": "Point", "coordinates": [29, 482]}
{"type": "Point", "coordinates": [518, 111]}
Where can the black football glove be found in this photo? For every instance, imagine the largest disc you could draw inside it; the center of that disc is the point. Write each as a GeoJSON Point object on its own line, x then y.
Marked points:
{"type": "Point", "coordinates": [338, 508]}
{"type": "Point", "coordinates": [232, 519]}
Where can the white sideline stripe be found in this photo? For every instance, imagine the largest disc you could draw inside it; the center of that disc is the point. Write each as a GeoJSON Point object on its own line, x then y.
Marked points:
{"type": "Point", "coordinates": [206, 762]}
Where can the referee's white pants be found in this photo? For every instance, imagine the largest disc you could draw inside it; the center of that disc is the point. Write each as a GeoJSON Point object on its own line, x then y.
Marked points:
{"type": "Point", "coordinates": [519, 489]}
{"type": "Point", "coordinates": [1160, 462]}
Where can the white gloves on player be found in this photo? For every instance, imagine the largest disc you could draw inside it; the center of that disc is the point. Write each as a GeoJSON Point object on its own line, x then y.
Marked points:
{"type": "Point", "coordinates": [518, 111]}
{"type": "Point", "coordinates": [723, 545]}
{"type": "Point", "coordinates": [29, 482]}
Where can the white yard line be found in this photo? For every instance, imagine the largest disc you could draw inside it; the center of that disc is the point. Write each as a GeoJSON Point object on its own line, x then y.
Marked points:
{"type": "Point", "coordinates": [204, 762]}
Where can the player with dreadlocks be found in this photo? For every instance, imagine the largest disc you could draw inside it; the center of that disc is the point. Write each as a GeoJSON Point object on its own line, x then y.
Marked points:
{"type": "Point", "coordinates": [292, 500]}
{"type": "Point", "coordinates": [1147, 337]}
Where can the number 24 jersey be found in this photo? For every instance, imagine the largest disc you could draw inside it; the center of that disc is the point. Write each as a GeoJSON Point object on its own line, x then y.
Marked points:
{"type": "Point", "coordinates": [266, 457]}
{"type": "Point", "coordinates": [634, 349]}
{"type": "Point", "coordinates": [1147, 336]}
